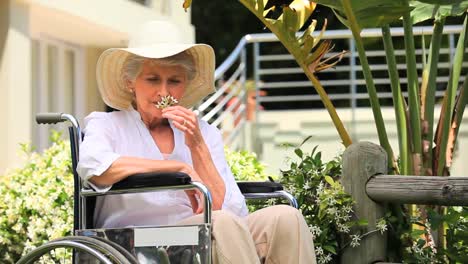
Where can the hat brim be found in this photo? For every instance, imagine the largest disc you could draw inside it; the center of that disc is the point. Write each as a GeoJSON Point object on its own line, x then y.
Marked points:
{"type": "Point", "coordinates": [115, 93]}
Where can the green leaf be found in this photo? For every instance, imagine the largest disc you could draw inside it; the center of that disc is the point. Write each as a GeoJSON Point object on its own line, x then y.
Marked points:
{"type": "Point", "coordinates": [443, 128]}
{"type": "Point", "coordinates": [322, 212]}
{"type": "Point", "coordinates": [421, 242]}
{"type": "Point", "coordinates": [329, 180]}
{"type": "Point", "coordinates": [425, 11]}
{"type": "Point", "coordinates": [291, 43]}
{"type": "Point", "coordinates": [298, 152]}
{"type": "Point", "coordinates": [362, 222]}
{"type": "Point", "coordinates": [417, 233]}
{"type": "Point", "coordinates": [290, 22]}
{"type": "Point", "coordinates": [318, 158]}
{"type": "Point", "coordinates": [329, 249]}
{"type": "Point", "coordinates": [260, 7]}
{"type": "Point", "coordinates": [441, 2]}
{"type": "Point", "coordinates": [305, 140]}
{"type": "Point", "coordinates": [370, 13]}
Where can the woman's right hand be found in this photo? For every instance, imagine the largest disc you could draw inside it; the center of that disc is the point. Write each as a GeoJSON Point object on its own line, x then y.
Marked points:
{"type": "Point", "coordinates": [195, 196]}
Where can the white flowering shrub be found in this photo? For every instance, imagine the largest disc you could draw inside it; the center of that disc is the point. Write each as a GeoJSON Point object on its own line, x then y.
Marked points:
{"type": "Point", "coordinates": [412, 234]}
{"type": "Point", "coordinates": [36, 201]}
{"type": "Point", "coordinates": [456, 220]}
{"type": "Point", "coordinates": [326, 207]}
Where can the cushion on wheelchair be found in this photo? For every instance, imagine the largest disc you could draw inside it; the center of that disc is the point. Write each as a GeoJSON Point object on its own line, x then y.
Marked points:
{"type": "Point", "coordinates": [152, 179]}
{"type": "Point", "coordinates": [259, 187]}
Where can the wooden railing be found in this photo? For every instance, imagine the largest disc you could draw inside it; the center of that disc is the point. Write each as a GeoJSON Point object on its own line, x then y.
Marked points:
{"type": "Point", "coordinates": [364, 177]}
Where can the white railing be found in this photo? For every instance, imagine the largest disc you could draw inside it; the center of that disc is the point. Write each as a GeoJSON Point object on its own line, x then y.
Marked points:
{"type": "Point", "coordinates": [345, 84]}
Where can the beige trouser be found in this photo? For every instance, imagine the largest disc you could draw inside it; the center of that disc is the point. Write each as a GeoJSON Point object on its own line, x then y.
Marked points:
{"type": "Point", "coordinates": [276, 235]}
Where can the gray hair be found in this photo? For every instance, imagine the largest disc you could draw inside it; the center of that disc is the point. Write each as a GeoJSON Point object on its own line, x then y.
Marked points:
{"type": "Point", "coordinates": [133, 64]}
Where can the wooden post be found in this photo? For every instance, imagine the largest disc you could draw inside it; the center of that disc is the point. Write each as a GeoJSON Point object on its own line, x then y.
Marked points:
{"type": "Point", "coordinates": [361, 161]}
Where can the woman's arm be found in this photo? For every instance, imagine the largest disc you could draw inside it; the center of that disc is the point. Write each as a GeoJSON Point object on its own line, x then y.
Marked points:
{"type": "Point", "coordinates": [205, 168]}
{"type": "Point", "coordinates": [123, 167]}
{"type": "Point", "coordinates": [186, 121]}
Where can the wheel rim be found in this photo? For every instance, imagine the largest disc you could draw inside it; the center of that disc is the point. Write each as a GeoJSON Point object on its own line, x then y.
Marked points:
{"type": "Point", "coordinates": [47, 253]}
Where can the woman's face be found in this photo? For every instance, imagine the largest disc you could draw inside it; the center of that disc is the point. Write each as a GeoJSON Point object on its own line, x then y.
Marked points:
{"type": "Point", "coordinates": [156, 81]}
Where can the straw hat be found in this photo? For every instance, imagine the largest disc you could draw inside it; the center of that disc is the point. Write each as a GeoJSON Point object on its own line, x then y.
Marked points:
{"type": "Point", "coordinates": [155, 39]}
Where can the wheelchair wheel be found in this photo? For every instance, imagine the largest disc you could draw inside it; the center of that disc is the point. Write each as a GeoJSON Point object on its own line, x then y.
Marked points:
{"type": "Point", "coordinates": [75, 249]}
{"type": "Point", "coordinates": [116, 246]}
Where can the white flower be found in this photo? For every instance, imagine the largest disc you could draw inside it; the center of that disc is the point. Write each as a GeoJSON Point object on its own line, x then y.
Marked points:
{"type": "Point", "coordinates": [343, 228]}
{"type": "Point", "coordinates": [166, 101]}
{"type": "Point", "coordinates": [317, 200]}
{"type": "Point", "coordinates": [324, 259]}
{"type": "Point", "coordinates": [355, 240]}
{"type": "Point", "coordinates": [417, 250]}
{"type": "Point", "coordinates": [332, 211]}
{"type": "Point", "coordinates": [315, 230]}
{"type": "Point", "coordinates": [331, 200]}
{"type": "Point", "coordinates": [29, 197]}
{"type": "Point", "coordinates": [348, 209]}
{"type": "Point", "coordinates": [382, 226]}
{"type": "Point", "coordinates": [318, 251]}
{"type": "Point", "coordinates": [345, 217]}
{"type": "Point", "coordinates": [320, 188]}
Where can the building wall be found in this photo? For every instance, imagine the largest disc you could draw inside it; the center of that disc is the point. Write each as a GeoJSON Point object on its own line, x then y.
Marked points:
{"type": "Point", "coordinates": [15, 80]}
{"type": "Point", "coordinates": [48, 53]}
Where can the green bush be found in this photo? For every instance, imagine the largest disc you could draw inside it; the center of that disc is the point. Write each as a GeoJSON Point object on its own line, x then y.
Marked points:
{"type": "Point", "coordinates": [36, 201]}
{"type": "Point", "coordinates": [245, 165]}
{"type": "Point", "coordinates": [38, 204]}
{"type": "Point", "coordinates": [327, 209]}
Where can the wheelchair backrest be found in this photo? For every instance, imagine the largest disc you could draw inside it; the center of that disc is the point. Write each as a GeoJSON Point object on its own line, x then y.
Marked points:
{"type": "Point", "coordinates": [75, 136]}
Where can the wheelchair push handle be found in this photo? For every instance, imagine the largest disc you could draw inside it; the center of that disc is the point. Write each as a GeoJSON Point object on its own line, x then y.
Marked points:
{"type": "Point", "coordinates": [49, 118]}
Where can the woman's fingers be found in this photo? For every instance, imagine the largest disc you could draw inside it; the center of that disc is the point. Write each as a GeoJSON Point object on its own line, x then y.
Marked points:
{"type": "Point", "coordinates": [200, 200]}
{"type": "Point", "coordinates": [182, 124]}
{"type": "Point", "coordinates": [183, 119]}
{"type": "Point", "coordinates": [196, 200]}
{"type": "Point", "coordinates": [195, 196]}
{"type": "Point", "coordinates": [183, 112]}
{"type": "Point", "coordinates": [193, 202]}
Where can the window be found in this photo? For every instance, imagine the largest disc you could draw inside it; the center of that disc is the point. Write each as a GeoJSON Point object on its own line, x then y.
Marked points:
{"type": "Point", "coordinates": [57, 84]}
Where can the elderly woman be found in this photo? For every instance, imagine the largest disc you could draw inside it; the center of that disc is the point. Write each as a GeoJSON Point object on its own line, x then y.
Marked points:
{"type": "Point", "coordinates": [154, 83]}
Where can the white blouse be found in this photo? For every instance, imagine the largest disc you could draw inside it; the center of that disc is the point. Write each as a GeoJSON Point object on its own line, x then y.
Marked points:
{"type": "Point", "coordinates": [111, 135]}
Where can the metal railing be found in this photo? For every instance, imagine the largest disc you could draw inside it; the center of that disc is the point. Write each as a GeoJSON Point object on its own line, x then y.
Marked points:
{"type": "Point", "coordinates": [279, 77]}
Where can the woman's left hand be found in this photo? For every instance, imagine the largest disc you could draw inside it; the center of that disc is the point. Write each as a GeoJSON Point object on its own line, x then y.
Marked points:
{"type": "Point", "coordinates": [185, 120]}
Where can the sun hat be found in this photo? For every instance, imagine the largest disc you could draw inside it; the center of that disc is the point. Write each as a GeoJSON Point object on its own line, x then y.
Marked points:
{"type": "Point", "coordinates": [155, 39]}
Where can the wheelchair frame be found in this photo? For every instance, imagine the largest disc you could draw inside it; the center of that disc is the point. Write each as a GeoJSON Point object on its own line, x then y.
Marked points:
{"type": "Point", "coordinates": [107, 251]}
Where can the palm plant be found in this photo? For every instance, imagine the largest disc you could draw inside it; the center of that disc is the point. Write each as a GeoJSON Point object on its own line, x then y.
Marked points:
{"type": "Point", "coordinates": [415, 117]}
{"type": "Point", "coordinates": [421, 150]}
{"type": "Point", "coordinates": [307, 50]}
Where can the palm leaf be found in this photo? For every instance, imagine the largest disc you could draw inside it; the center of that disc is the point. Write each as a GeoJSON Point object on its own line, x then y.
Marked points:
{"type": "Point", "coordinates": [306, 48]}
{"type": "Point", "coordinates": [436, 9]}
{"type": "Point", "coordinates": [461, 101]}
{"type": "Point", "coordinates": [369, 13]}
{"type": "Point", "coordinates": [448, 105]}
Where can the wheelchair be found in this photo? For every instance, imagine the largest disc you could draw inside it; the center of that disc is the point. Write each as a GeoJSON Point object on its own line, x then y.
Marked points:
{"type": "Point", "coordinates": [183, 244]}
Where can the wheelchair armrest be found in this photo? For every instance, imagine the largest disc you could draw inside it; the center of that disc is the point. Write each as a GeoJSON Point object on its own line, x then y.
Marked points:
{"type": "Point", "coordinates": [259, 187]}
{"type": "Point", "coordinates": [152, 179]}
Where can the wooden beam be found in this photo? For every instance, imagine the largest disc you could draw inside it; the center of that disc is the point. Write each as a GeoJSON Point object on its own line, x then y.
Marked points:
{"type": "Point", "coordinates": [434, 190]}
